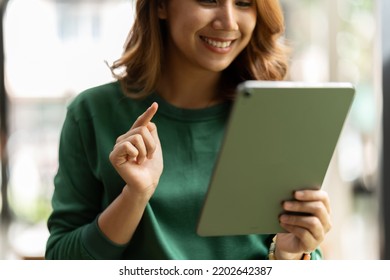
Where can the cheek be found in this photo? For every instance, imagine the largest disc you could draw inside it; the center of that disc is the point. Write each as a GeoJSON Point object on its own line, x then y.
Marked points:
{"type": "Point", "coordinates": [183, 26]}
{"type": "Point", "coordinates": [186, 34]}
{"type": "Point", "coordinates": [250, 23]}
{"type": "Point", "coordinates": [247, 31]}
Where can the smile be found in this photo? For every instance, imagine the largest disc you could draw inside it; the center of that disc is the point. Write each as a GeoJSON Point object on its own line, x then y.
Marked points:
{"type": "Point", "coordinates": [217, 44]}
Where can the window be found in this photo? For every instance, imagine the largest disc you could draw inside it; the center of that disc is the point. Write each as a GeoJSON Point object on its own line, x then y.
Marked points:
{"type": "Point", "coordinates": [339, 41]}
{"type": "Point", "coordinates": [54, 49]}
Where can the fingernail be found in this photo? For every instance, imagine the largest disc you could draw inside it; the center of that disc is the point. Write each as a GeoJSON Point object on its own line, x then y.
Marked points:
{"type": "Point", "coordinates": [283, 218]}
{"type": "Point", "coordinates": [299, 194]}
{"type": "Point", "coordinates": [287, 205]}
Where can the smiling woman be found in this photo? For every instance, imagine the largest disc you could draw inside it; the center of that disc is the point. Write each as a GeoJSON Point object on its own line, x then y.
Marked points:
{"type": "Point", "coordinates": [136, 193]}
{"type": "Point", "coordinates": [265, 57]}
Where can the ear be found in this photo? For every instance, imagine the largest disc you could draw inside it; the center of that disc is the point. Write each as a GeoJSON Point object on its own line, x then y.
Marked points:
{"type": "Point", "coordinates": [162, 9]}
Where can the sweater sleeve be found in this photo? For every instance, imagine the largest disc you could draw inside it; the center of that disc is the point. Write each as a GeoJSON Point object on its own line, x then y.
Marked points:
{"type": "Point", "coordinates": [76, 203]}
{"type": "Point", "coordinates": [317, 254]}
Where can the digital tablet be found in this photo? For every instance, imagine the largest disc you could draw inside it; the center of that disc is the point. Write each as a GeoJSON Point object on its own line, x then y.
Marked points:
{"type": "Point", "coordinates": [280, 137]}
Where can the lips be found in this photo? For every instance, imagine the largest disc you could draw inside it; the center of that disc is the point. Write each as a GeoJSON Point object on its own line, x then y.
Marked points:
{"type": "Point", "coordinates": [217, 43]}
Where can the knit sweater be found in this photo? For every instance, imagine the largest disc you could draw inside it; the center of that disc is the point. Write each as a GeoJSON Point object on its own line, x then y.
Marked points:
{"type": "Point", "coordinates": [86, 183]}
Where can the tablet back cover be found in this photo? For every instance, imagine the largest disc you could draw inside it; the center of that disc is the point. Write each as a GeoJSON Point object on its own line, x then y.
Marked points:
{"type": "Point", "coordinates": [281, 137]}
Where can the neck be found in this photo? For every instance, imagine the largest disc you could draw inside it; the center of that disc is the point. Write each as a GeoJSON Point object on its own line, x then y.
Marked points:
{"type": "Point", "coordinates": [187, 91]}
{"type": "Point", "coordinates": [189, 87]}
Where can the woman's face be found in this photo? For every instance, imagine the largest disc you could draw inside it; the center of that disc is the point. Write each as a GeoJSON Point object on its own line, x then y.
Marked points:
{"type": "Point", "coordinates": [207, 34]}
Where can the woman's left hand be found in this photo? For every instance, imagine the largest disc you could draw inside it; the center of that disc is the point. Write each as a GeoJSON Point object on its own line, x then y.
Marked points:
{"type": "Point", "coordinates": [307, 229]}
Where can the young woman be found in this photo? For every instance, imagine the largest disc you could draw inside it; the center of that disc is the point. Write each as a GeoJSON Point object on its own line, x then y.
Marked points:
{"type": "Point", "coordinates": [136, 155]}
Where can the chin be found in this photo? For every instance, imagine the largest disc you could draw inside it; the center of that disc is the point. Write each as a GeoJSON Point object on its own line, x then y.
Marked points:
{"type": "Point", "coordinates": [217, 67]}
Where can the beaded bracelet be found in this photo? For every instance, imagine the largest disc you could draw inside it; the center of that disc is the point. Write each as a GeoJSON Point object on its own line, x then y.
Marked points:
{"type": "Point", "coordinates": [271, 252]}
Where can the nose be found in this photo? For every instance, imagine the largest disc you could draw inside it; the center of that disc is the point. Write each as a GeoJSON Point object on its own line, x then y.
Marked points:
{"type": "Point", "coordinates": [225, 18]}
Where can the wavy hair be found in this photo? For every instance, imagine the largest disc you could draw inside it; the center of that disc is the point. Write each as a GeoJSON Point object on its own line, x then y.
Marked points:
{"type": "Point", "coordinates": [265, 57]}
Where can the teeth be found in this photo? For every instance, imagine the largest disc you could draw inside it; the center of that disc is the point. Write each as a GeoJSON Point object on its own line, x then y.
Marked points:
{"type": "Point", "coordinates": [217, 44]}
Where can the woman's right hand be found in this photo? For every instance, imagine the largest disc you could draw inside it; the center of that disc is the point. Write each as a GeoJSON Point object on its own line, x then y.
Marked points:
{"type": "Point", "coordinates": [137, 155]}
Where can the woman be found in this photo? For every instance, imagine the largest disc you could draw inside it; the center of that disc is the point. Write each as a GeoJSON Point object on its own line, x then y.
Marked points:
{"type": "Point", "coordinates": [136, 193]}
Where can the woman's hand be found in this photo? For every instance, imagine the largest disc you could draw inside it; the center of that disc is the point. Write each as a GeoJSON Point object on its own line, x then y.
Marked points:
{"type": "Point", "coordinates": [307, 231]}
{"type": "Point", "coordinates": [137, 155]}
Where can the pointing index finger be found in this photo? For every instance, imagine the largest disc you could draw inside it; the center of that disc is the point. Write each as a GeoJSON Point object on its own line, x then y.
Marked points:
{"type": "Point", "coordinates": [147, 116]}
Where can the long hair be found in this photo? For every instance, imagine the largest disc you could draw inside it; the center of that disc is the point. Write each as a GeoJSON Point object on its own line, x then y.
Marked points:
{"type": "Point", "coordinates": [265, 57]}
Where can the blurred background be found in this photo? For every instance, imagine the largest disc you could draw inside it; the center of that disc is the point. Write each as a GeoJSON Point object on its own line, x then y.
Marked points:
{"type": "Point", "coordinates": [53, 49]}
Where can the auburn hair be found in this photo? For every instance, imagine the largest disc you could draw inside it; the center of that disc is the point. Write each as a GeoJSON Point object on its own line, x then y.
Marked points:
{"type": "Point", "coordinates": [265, 57]}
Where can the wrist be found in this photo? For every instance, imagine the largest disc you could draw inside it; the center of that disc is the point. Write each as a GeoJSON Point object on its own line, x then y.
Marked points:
{"type": "Point", "coordinates": [275, 254]}
{"type": "Point", "coordinates": [292, 256]}
{"type": "Point", "coordinates": [136, 196]}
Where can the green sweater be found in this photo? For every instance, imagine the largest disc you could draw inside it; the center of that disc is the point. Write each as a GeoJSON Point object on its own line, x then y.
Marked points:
{"type": "Point", "coordinates": [86, 183]}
